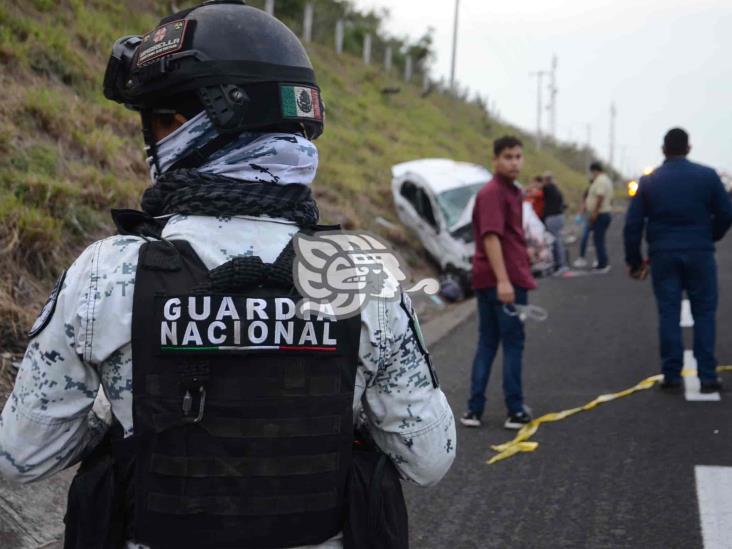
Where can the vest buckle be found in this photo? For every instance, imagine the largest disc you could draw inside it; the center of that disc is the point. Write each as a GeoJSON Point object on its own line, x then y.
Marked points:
{"type": "Point", "coordinates": [188, 399]}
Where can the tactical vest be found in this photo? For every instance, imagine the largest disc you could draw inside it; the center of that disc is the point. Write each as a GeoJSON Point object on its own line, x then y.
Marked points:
{"type": "Point", "coordinates": [242, 410]}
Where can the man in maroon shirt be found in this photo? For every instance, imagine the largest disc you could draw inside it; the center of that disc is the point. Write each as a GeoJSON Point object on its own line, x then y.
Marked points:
{"type": "Point", "coordinates": [501, 279]}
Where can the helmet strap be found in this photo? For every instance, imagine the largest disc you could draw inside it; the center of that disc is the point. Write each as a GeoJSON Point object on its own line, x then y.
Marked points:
{"type": "Point", "coordinates": [151, 146]}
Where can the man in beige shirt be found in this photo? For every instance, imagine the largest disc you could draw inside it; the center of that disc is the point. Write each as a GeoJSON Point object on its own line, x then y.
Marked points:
{"type": "Point", "coordinates": [599, 205]}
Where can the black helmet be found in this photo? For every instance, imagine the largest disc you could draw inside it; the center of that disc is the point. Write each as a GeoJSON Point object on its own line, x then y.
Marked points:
{"type": "Point", "coordinates": [246, 68]}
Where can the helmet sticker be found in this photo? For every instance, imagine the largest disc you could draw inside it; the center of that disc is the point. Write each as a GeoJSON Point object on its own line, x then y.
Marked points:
{"type": "Point", "coordinates": [300, 102]}
{"type": "Point", "coordinates": [164, 40]}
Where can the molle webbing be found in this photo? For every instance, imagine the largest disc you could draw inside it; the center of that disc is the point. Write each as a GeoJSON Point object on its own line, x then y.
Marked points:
{"type": "Point", "coordinates": [247, 442]}
{"type": "Point", "coordinates": [228, 427]}
{"type": "Point", "coordinates": [233, 506]}
{"type": "Point", "coordinates": [244, 467]}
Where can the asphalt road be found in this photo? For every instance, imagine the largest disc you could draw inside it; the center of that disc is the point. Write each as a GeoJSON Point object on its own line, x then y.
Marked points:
{"type": "Point", "coordinates": [620, 476]}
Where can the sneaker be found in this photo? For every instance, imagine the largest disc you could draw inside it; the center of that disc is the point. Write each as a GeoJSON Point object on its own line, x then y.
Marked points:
{"type": "Point", "coordinates": [517, 421]}
{"type": "Point", "coordinates": [603, 270]}
{"type": "Point", "coordinates": [671, 385]}
{"type": "Point", "coordinates": [580, 263]}
{"type": "Point", "coordinates": [711, 386]}
{"type": "Point", "coordinates": [470, 420]}
{"type": "Point", "coordinates": [561, 271]}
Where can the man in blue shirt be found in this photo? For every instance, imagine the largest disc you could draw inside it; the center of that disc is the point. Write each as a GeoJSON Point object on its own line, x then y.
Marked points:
{"type": "Point", "coordinates": [684, 210]}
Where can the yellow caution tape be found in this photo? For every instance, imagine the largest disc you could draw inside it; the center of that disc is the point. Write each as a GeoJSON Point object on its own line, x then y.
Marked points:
{"type": "Point", "coordinates": [521, 444]}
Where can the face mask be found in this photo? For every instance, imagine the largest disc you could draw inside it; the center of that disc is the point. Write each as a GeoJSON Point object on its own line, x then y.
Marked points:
{"type": "Point", "coordinates": [195, 133]}
{"type": "Point", "coordinates": [279, 158]}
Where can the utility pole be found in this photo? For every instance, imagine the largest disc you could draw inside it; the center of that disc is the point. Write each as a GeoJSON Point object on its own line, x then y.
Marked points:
{"type": "Point", "coordinates": [539, 104]}
{"type": "Point", "coordinates": [588, 150]}
{"type": "Point", "coordinates": [613, 116]}
{"type": "Point", "coordinates": [553, 91]}
{"type": "Point", "coordinates": [454, 44]}
{"type": "Point", "coordinates": [269, 6]}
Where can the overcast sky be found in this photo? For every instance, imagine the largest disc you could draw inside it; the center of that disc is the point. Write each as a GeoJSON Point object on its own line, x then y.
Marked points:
{"type": "Point", "coordinates": [663, 62]}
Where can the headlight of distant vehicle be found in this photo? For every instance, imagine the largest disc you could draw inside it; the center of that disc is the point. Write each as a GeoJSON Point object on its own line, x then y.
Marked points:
{"type": "Point", "coordinates": [632, 188]}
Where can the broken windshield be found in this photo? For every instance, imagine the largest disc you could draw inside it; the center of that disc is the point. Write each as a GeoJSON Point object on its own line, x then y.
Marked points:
{"type": "Point", "coordinates": [453, 202]}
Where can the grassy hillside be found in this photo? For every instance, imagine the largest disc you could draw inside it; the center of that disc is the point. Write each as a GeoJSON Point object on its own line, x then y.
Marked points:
{"type": "Point", "coordinates": [67, 155]}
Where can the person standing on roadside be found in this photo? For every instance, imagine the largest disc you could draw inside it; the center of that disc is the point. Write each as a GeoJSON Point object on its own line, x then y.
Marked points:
{"type": "Point", "coordinates": [599, 207]}
{"type": "Point", "coordinates": [683, 209]}
{"type": "Point", "coordinates": [501, 279]}
{"type": "Point", "coordinates": [581, 219]}
{"type": "Point", "coordinates": [554, 220]}
{"type": "Point", "coordinates": [535, 196]}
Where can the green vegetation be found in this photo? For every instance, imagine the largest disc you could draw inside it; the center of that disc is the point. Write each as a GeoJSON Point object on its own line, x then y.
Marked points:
{"type": "Point", "coordinates": [67, 155]}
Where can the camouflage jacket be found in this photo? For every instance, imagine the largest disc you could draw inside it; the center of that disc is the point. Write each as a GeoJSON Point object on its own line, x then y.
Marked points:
{"type": "Point", "coordinates": [50, 420]}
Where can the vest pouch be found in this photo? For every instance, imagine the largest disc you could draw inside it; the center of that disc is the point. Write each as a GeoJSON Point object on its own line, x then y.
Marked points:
{"type": "Point", "coordinates": [376, 511]}
{"type": "Point", "coordinates": [95, 509]}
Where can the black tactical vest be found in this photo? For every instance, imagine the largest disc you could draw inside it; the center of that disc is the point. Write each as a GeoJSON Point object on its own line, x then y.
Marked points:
{"type": "Point", "coordinates": [242, 411]}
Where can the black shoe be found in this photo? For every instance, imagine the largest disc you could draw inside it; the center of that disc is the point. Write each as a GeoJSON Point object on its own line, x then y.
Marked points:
{"type": "Point", "coordinates": [517, 421]}
{"type": "Point", "coordinates": [711, 386]}
{"type": "Point", "coordinates": [671, 385]}
{"type": "Point", "coordinates": [470, 420]}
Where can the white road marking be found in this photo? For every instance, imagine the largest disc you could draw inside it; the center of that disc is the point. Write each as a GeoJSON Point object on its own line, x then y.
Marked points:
{"type": "Point", "coordinates": [692, 385]}
{"type": "Point", "coordinates": [687, 320]}
{"type": "Point", "coordinates": [714, 493]}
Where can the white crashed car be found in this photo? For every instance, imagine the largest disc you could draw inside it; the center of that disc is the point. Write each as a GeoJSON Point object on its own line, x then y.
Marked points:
{"type": "Point", "coordinates": [435, 198]}
{"type": "Point", "coordinates": [432, 197]}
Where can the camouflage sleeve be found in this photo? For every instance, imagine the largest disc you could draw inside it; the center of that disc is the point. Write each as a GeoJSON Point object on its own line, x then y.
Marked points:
{"type": "Point", "coordinates": [407, 414]}
{"type": "Point", "coordinates": [48, 422]}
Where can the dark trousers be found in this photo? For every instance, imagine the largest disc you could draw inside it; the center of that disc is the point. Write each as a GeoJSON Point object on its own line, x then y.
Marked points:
{"type": "Point", "coordinates": [599, 232]}
{"type": "Point", "coordinates": [496, 327]}
{"type": "Point", "coordinates": [695, 272]}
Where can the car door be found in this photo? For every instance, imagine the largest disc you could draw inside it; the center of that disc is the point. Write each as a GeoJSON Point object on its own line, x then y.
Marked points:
{"type": "Point", "coordinates": [406, 201]}
{"type": "Point", "coordinates": [429, 229]}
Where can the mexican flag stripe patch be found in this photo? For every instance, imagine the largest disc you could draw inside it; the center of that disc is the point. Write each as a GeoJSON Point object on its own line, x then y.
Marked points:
{"type": "Point", "coordinates": [300, 102]}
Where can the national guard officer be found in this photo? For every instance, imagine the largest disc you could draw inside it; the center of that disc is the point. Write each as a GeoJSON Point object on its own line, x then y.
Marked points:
{"type": "Point", "coordinates": [684, 210]}
{"type": "Point", "coordinates": [232, 418]}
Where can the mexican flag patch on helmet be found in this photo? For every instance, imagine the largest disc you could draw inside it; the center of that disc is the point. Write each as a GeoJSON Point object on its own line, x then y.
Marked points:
{"type": "Point", "coordinates": [300, 102]}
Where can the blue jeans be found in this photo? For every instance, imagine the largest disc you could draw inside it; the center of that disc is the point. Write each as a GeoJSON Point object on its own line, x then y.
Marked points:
{"type": "Point", "coordinates": [496, 327]}
{"type": "Point", "coordinates": [555, 224]}
{"type": "Point", "coordinates": [599, 231]}
{"type": "Point", "coordinates": [695, 272]}
{"type": "Point", "coordinates": [586, 231]}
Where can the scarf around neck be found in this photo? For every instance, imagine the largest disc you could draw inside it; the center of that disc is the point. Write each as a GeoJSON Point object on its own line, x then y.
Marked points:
{"type": "Point", "coordinates": [258, 174]}
{"type": "Point", "coordinates": [190, 192]}
{"type": "Point", "coordinates": [278, 158]}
